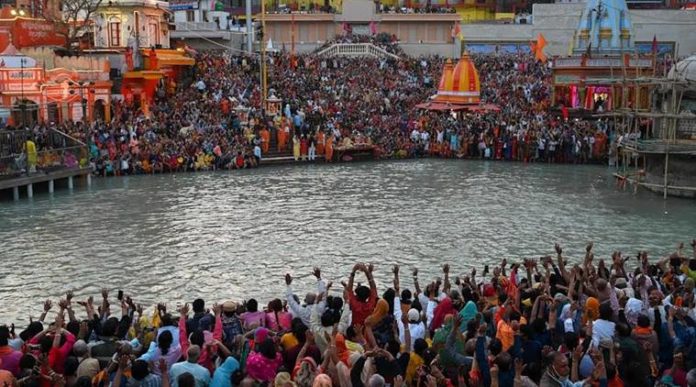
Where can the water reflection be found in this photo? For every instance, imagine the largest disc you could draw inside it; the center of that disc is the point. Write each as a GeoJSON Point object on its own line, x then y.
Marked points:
{"type": "Point", "coordinates": [233, 235]}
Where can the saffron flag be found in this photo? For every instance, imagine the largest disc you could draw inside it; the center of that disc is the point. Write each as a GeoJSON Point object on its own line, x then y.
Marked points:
{"type": "Point", "coordinates": [539, 48]}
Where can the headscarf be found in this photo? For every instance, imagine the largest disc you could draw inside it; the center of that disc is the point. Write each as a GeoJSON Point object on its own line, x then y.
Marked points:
{"type": "Point", "coordinates": [591, 310]}
{"type": "Point", "coordinates": [381, 310]}
{"type": "Point", "coordinates": [343, 375]}
{"type": "Point", "coordinates": [283, 379]}
{"type": "Point", "coordinates": [439, 341]}
{"type": "Point", "coordinates": [223, 374]}
{"type": "Point", "coordinates": [443, 309]}
{"type": "Point", "coordinates": [634, 307]}
{"type": "Point", "coordinates": [305, 372]}
{"type": "Point", "coordinates": [322, 380]}
{"type": "Point", "coordinates": [6, 378]}
{"type": "Point", "coordinates": [468, 313]}
{"type": "Point", "coordinates": [262, 368]}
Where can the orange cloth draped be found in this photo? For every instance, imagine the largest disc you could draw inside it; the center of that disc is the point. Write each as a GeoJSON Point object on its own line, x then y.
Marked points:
{"type": "Point", "coordinates": [265, 139]}
{"type": "Point", "coordinates": [329, 149]}
{"type": "Point", "coordinates": [320, 139]}
{"type": "Point", "coordinates": [282, 137]}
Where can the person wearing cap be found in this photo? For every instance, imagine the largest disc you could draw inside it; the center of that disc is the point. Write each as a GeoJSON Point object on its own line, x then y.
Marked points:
{"type": "Point", "coordinates": [231, 324]}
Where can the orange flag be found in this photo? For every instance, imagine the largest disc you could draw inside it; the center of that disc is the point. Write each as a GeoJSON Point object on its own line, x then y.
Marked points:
{"type": "Point", "coordinates": [539, 48]}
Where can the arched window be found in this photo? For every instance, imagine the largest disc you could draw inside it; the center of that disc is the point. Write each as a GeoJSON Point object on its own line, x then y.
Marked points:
{"type": "Point", "coordinates": [114, 32]}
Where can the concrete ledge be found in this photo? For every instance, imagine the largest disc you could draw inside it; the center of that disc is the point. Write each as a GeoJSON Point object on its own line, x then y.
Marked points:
{"type": "Point", "coordinates": [40, 178]}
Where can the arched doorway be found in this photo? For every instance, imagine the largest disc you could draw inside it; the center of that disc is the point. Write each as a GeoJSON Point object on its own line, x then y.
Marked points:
{"type": "Point", "coordinates": [99, 110]}
{"type": "Point", "coordinates": [25, 112]}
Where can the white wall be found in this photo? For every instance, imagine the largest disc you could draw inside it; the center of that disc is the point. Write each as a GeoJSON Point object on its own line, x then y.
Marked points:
{"type": "Point", "coordinates": [558, 22]}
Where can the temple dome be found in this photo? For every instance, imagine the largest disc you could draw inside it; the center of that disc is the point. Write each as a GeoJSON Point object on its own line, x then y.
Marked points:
{"type": "Point", "coordinates": [459, 84]}
{"type": "Point", "coordinates": [684, 70]}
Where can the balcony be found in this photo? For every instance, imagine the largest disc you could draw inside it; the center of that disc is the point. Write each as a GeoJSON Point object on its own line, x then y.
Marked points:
{"type": "Point", "coordinates": [207, 30]}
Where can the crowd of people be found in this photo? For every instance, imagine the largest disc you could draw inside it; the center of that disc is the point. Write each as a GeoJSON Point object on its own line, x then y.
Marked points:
{"type": "Point", "coordinates": [617, 321]}
{"type": "Point", "coordinates": [214, 120]}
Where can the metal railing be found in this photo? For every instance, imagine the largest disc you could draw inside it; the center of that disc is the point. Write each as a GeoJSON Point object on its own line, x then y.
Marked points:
{"type": "Point", "coordinates": [55, 150]}
{"type": "Point", "coordinates": [356, 49]}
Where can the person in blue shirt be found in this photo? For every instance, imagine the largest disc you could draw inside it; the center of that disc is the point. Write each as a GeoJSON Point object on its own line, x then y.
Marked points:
{"type": "Point", "coordinates": [191, 366]}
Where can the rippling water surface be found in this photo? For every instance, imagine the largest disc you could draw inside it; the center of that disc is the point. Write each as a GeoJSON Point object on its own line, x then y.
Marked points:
{"type": "Point", "coordinates": [233, 235]}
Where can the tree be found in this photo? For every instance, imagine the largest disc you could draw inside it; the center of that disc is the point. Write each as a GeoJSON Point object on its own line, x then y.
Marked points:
{"type": "Point", "coordinates": [76, 19]}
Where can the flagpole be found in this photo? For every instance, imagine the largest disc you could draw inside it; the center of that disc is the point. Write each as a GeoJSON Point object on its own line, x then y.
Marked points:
{"type": "Point", "coordinates": [263, 55]}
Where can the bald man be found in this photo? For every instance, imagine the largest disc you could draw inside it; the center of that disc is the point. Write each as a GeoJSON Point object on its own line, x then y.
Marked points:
{"type": "Point", "coordinates": [191, 366]}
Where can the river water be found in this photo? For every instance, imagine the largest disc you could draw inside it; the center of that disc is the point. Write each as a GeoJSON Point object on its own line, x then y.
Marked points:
{"type": "Point", "coordinates": [233, 235]}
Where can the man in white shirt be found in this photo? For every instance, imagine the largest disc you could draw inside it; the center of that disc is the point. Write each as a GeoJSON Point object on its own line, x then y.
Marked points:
{"type": "Point", "coordinates": [297, 310]}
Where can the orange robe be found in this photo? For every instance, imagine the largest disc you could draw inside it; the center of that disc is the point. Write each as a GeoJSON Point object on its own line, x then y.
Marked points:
{"type": "Point", "coordinates": [321, 141]}
{"type": "Point", "coordinates": [265, 140]}
{"type": "Point", "coordinates": [281, 137]}
{"type": "Point", "coordinates": [329, 149]}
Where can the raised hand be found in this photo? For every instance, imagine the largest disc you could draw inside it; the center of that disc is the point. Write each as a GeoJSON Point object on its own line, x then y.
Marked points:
{"type": "Point", "coordinates": [63, 304]}
{"type": "Point", "coordinates": [163, 366]}
{"type": "Point", "coordinates": [457, 322]}
{"type": "Point", "coordinates": [415, 272]}
{"type": "Point", "coordinates": [288, 279]}
{"type": "Point", "coordinates": [217, 309]}
{"type": "Point", "coordinates": [370, 268]}
{"type": "Point", "coordinates": [69, 295]}
{"type": "Point", "coordinates": [183, 310]}
{"type": "Point", "coordinates": [47, 305]}
{"type": "Point", "coordinates": [558, 248]}
{"type": "Point", "coordinates": [519, 366]}
{"type": "Point", "coordinates": [395, 269]}
{"type": "Point", "coordinates": [588, 248]}
{"type": "Point", "coordinates": [105, 293]}
{"type": "Point", "coordinates": [140, 309]}
{"type": "Point", "coordinates": [445, 268]}
{"type": "Point", "coordinates": [317, 272]}
{"type": "Point", "coordinates": [577, 353]}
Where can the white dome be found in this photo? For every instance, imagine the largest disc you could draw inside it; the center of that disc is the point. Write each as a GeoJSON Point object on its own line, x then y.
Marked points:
{"type": "Point", "coordinates": [684, 70]}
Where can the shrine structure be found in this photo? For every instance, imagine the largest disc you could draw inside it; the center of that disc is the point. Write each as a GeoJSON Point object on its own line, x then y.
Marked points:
{"type": "Point", "coordinates": [603, 53]}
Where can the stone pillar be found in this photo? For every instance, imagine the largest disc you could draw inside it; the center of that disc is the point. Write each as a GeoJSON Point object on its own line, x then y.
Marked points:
{"type": "Point", "coordinates": [15, 193]}
{"type": "Point", "coordinates": [70, 182]}
{"type": "Point", "coordinates": [50, 186]}
{"type": "Point", "coordinates": [30, 191]}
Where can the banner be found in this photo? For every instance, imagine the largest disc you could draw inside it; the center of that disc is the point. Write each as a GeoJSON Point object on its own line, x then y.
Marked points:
{"type": "Point", "coordinates": [34, 32]}
{"type": "Point", "coordinates": [182, 5]}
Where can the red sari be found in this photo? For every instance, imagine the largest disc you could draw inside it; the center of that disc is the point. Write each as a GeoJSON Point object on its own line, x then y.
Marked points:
{"type": "Point", "coordinates": [303, 146]}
